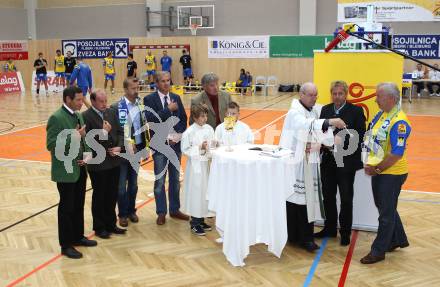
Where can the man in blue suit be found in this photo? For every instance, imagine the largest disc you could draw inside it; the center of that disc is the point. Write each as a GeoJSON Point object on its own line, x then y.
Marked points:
{"type": "Point", "coordinates": [167, 120]}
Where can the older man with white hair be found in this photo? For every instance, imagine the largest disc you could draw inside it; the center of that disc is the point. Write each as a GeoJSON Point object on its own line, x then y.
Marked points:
{"type": "Point", "coordinates": [387, 165]}
{"type": "Point", "coordinates": [215, 100]}
{"type": "Point", "coordinates": [303, 132]}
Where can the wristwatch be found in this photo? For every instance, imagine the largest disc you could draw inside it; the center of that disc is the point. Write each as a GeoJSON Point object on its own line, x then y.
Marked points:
{"type": "Point", "coordinates": [377, 170]}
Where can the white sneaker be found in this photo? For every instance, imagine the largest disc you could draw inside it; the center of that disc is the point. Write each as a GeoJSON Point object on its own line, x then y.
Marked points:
{"type": "Point", "coordinates": [113, 91]}
{"type": "Point", "coordinates": [418, 95]}
{"type": "Point", "coordinates": [432, 95]}
{"type": "Point", "coordinates": [437, 95]}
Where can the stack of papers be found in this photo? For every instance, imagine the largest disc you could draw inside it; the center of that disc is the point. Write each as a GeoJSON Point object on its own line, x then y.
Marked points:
{"type": "Point", "coordinates": [276, 152]}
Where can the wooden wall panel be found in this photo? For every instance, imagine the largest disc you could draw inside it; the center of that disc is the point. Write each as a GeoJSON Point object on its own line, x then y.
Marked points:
{"type": "Point", "coordinates": [295, 70]}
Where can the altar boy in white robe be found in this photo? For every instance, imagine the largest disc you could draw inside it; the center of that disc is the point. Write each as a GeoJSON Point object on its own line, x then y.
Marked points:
{"type": "Point", "coordinates": [195, 146]}
{"type": "Point", "coordinates": [240, 134]}
{"type": "Point", "coordinates": [303, 132]}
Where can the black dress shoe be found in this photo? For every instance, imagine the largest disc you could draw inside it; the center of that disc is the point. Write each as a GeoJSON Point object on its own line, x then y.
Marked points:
{"type": "Point", "coordinates": [403, 245]}
{"type": "Point", "coordinates": [118, 230]}
{"type": "Point", "coordinates": [371, 259]}
{"type": "Point", "coordinates": [324, 233]}
{"type": "Point", "coordinates": [103, 234]}
{"type": "Point", "coordinates": [71, 252]}
{"type": "Point", "coordinates": [86, 242]}
{"type": "Point", "coordinates": [345, 240]}
{"type": "Point", "coordinates": [309, 246]}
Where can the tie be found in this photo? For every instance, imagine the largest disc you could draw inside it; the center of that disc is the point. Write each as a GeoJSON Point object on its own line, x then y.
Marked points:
{"type": "Point", "coordinates": [165, 101]}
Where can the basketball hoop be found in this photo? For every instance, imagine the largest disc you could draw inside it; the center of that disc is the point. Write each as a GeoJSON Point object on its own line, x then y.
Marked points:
{"type": "Point", "coordinates": [193, 29]}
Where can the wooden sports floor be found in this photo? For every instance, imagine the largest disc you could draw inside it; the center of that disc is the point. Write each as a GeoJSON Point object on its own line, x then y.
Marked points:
{"type": "Point", "coordinates": [169, 255]}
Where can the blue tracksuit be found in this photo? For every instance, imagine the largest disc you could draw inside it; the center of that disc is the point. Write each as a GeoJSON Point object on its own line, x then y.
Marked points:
{"type": "Point", "coordinates": [83, 76]}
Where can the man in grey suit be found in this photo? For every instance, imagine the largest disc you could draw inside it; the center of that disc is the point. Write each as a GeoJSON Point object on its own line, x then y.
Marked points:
{"type": "Point", "coordinates": [104, 175]}
{"type": "Point", "coordinates": [215, 100]}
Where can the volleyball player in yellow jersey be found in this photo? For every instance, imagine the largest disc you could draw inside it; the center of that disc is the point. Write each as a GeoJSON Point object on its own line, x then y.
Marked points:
{"type": "Point", "coordinates": [60, 70]}
{"type": "Point", "coordinates": [150, 60]}
{"type": "Point", "coordinates": [109, 71]}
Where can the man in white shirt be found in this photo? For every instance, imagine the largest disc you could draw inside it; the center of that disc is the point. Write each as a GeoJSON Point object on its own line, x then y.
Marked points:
{"type": "Point", "coordinates": [418, 74]}
{"type": "Point", "coordinates": [434, 76]}
{"type": "Point", "coordinates": [240, 134]}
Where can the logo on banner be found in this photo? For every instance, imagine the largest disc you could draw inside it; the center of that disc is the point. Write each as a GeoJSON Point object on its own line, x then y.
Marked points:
{"type": "Point", "coordinates": [238, 47]}
{"type": "Point", "coordinates": [70, 46]}
{"type": "Point", "coordinates": [121, 49]}
{"type": "Point", "coordinates": [9, 83]}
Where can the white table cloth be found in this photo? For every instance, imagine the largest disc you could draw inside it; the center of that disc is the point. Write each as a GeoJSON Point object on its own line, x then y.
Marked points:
{"type": "Point", "coordinates": [248, 192]}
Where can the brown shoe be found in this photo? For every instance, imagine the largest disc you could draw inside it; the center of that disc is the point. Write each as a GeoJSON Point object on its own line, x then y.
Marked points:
{"type": "Point", "coordinates": [371, 259]}
{"type": "Point", "coordinates": [160, 219]}
{"type": "Point", "coordinates": [133, 218]}
{"type": "Point", "coordinates": [123, 221]}
{"type": "Point", "coordinates": [179, 215]}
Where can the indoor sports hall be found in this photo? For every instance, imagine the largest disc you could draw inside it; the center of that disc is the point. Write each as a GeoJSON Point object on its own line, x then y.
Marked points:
{"type": "Point", "coordinates": [286, 49]}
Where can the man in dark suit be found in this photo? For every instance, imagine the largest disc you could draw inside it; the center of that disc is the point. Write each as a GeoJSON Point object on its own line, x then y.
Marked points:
{"type": "Point", "coordinates": [104, 175]}
{"type": "Point", "coordinates": [167, 119]}
{"type": "Point", "coordinates": [69, 173]}
{"type": "Point", "coordinates": [341, 175]}
{"type": "Point", "coordinates": [130, 115]}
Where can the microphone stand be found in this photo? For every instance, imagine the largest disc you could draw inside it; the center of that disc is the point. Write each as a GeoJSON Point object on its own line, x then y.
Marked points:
{"type": "Point", "coordinates": [391, 49]}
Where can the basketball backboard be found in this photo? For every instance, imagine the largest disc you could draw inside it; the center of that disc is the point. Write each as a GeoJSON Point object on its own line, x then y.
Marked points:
{"type": "Point", "coordinates": [202, 15]}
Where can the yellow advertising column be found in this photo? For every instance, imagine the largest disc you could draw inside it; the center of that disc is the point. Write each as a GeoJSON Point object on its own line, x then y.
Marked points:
{"type": "Point", "coordinates": [362, 70]}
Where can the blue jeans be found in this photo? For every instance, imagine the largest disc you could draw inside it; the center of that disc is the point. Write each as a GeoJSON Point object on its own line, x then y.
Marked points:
{"type": "Point", "coordinates": [127, 192]}
{"type": "Point", "coordinates": [386, 190]}
{"type": "Point", "coordinates": [160, 164]}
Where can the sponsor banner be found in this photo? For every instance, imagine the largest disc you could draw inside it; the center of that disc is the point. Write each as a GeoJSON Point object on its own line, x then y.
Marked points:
{"type": "Point", "coordinates": [302, 46]}
{"type": "Point", "coordinates": [96, 48]}
{"type": "Point", "coordinates": [11, 82]}
{"type": "Point", "coordinates": [418, 46]}
{"type": "Point", "coordinates": [17, 50]}
{"type": "Point", "coordinates": [389, 11]}
{"type": "Point", "coordinates": [238, 47]}
{"type": "Point", "coordinates": [359, 69]}
{"type": "Point", "coordinates": [50, 82]}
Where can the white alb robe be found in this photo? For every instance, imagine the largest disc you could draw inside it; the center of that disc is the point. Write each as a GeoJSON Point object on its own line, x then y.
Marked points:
{"type": "Point", "coordinates": [197, 169]}
{"type": "Point", "coordinates": [300, 127]}
{"type": "Point", "coordinates": [241, 134]}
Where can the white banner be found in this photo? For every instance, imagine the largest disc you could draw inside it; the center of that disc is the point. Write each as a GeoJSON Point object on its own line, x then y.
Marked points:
{"type": "Point", "coordinates": [50, 82]}
{"type": "Point", "coordinates": [238, 47]}
{"type": "Point", "coordinates": [389, 11]}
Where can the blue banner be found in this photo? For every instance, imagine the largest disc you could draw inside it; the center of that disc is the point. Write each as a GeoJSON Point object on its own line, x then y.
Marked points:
{"type": "Point", "coordinates": [96, 48]}
{"type": "Point", "coordinates": [418, 46]}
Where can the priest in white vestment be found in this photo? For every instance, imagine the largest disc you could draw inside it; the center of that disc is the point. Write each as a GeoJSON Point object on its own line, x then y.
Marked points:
{"type": "Point", "coordinates": [303, 132]}
{"type": "Point", "coordinates": [241, 132]}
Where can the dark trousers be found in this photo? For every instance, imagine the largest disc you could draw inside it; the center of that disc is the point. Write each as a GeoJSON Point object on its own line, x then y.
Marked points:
{"type": "Point", "coordinates": [71, 210]}
{"type": "Point", "coordinates": [127, 190]}
{"type": "Point", "coordinates": [386, 191]}
{"type": "Point", "coordinates": [161, 166]}
{"type": "Point", "coordinates": [419, 86]}
{"type": "Point", "coordinates": [196, 221]}
{"type": "Point", "coordinates": [332, 178]}
{"type": "Point", "coordinates": [431, 87]}
{"type": "Point", "coordinates": [299, 230]}
{"type": "Point", "coordinates": [105, 195]}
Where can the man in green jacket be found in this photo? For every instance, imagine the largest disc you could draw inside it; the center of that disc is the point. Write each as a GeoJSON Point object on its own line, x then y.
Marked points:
{"type": "Point", "coordinates": [65, 141]}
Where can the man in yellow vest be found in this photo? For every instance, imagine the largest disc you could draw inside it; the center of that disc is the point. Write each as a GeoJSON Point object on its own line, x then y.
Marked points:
{"type": "Point", "coordinates": [109, 71]}
{"type": "Point", "coordinates": [10, 66]}
{"type": "Point", "coordinates": [60, 71]}
{"type": "Point", "coordinates": [150, 60]}
{"type": "Point", "coordinates": [388, 168]}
